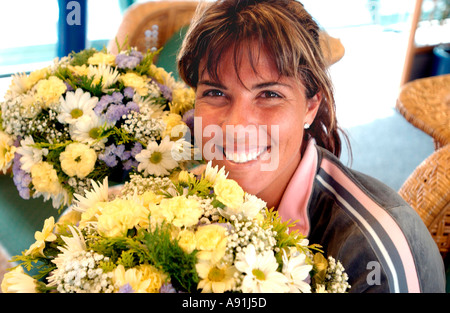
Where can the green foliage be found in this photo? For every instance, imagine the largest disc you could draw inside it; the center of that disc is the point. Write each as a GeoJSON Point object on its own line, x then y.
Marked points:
{"type": "Point", "coordinates": [167, 255]}
{"type": "Point", "coordinates": [144, 67]}
{"type": "Point", "coordinates": [81, 57]}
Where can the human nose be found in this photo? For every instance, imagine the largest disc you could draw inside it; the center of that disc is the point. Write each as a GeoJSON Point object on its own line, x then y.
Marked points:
{"type": "Point", "coordinates": [240, 112]}
{"type": "Point", "coordinates": [239, 124]}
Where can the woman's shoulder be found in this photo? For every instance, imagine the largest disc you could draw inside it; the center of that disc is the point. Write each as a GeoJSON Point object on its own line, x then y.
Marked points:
{"type": "Point", "coordinates": [393, 231]}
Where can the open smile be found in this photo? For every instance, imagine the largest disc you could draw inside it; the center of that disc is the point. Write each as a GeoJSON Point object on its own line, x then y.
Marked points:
{"type": "Point", "coordinates": [241, 156]}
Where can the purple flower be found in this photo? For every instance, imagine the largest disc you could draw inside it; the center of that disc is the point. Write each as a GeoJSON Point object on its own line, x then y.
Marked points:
{"type": "Point", "coordinates": [129, 164]}
{"type": "Point", "coordinates": [130, 61]}
{"type": "Point", "coordinates": [132, 106]}
{"type": "Point", "coordinates": [128, 92]}
{"type": "Point", "coordinates": [115, 112]}
{"type": "Point", "coordinates": [167, 288]}
{"type": "Point", "coordinates": [69, 87]}
{"type": "Point", "coordinates": [165, 90]}
{"type": "Point", "coordinates": [117, 97]}
{"type": "Point", "coordinates": [126, 289]}
{"type": "Point", "coordinates": [109, 156]}
{"type": "Point", "coordinates": [137, 148]}
{"type": "Point", "coordinates": [21, 179]}
{"type": "Point", "coordinates": [101, 105]}
{"type": "Point", "coordinates": [188, 118]}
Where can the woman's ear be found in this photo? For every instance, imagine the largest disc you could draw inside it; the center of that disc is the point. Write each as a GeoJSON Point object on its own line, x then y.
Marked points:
{"type": "Point", "coordinates": [312, 106]}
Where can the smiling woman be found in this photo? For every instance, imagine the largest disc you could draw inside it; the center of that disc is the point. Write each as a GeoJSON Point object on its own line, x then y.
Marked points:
{"type": "Point", "coordinates": [261, 83]}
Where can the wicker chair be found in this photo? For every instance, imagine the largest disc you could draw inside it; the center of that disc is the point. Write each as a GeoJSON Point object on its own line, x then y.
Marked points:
{"type": "Point", "coordinates": [425, 103]}
{"type": "Point", "coordinates": [150, 24]}
{"type": "Point", "coordinates": [143, 20]}
{"type": "Point", "coordinates": [427, 190]}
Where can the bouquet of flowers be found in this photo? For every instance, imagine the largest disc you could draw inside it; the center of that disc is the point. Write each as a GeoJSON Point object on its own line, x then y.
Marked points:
{"type": "Point", "coordinates": [89, 116]}
{"type": "Point", "coordinates": [180, 234]}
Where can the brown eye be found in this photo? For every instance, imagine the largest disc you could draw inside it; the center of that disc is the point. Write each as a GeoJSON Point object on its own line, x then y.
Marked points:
{"type": "Point", "coordinates": [270, 94]}
{"type": "Point", "coordinates": [213, 93]}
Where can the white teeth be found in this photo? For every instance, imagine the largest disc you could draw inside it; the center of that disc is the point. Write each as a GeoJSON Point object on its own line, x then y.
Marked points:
{"type": "Point", "coordinates": [245, 157]}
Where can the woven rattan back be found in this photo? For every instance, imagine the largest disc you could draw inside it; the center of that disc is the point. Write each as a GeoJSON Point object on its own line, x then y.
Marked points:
{"type": "Point", "coordinates": [150, 24]}
{"type": "Point", "coordinates": [427, 190]}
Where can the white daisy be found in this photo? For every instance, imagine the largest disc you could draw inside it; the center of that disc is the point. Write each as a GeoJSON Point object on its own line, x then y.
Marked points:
{"type": "Point", "coordinates": [30, 155]}
{"type": "Point", "coordinates": [98, 193]}
{"type": "Point", "coordinates": [87, 131]}
{"type": "Point", "coordinates": [77, 105]}
{"type": "Point", "coordinates": [157, 159]}
{"type": "Point", "coordinates": [260, 271]}
{"type": "Point", "coordinates": [216, 278]}
{"type": "Point", "coordinates": [297, 271]}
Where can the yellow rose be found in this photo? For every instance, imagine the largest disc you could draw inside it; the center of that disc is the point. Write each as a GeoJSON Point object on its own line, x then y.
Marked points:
{"type": "Point", "coordinates": [229, 193]}
{"type": "Point", "coordinates": [102, 58]}
{"type": "Point", "coordinates": [120, 215]}
{"type": "Point", "coordinates": [7, 151]}
{"type": "Point", "coordinates": [139, 83]}
{"type": "Point", "coordinates": [78, 160]}
{"type": "Point", "coordinates": [45, 179]}
{"type": "Point", "coordinates": [211, 242]}
{"type": "Point", "coordinates": [50, 90]}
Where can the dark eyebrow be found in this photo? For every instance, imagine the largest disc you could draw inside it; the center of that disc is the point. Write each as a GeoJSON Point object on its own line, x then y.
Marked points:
{"type": "Point", "coordinates": [269, 84]}
{"type": "Point", "coordinates": [211, 84]}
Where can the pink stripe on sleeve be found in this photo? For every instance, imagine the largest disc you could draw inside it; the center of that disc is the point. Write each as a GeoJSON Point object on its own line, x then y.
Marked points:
{"type": "Point", "coordinates": [385, 220]}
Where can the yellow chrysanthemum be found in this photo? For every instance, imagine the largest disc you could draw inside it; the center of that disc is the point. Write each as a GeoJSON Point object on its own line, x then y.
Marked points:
{"type": "Point", "coordinates": [7, 151]}
{"type": "Point", "coordinates": [175, 127]}
{"type": "Point", "coordinates": [50, 90]}
{"type": "Point", "coordinates": [47, 234]}
{"type": "Point", "coordinates": [229, 193]}
{"type": "Point", "coordinates": [17, 281]}
{"type": "Point", "coordinates": [102, 58]}
{"type": "Point", "coordinates": [182, 100]}
{"type": "Point", "coordinates": [120, 215]}
{"type": "Point", "coordinates": [211, 242]}
{"type": "Point", "coordinates": [78, 160]}
{"type": "Point", "coordinates": [160, 74]}
{"type": "Point", "coordinates": [137, 82]}
{"type": "Point", "coordinates": [45, 178]}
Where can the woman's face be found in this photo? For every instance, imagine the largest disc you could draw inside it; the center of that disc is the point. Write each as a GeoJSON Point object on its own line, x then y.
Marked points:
{"type": "Point", "coordinates": [253, 124]}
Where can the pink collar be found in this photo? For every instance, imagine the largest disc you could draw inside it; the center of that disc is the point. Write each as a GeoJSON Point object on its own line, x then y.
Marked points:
{"type": "Point", "coordinates": [294, 203]}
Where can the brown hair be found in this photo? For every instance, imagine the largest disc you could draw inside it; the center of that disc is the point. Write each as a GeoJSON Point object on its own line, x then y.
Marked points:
{"type": "Point", "coordinates": [285, 30]}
